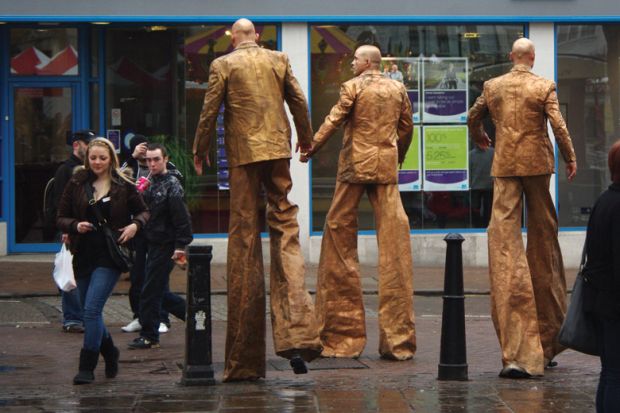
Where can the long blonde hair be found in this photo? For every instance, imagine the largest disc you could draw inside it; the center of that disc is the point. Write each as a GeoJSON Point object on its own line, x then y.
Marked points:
{"type": "Point", "coordinates": [114, 163]}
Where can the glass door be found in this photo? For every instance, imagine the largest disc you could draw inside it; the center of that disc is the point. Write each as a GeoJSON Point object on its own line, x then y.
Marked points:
{"type": "Point", "coordinates": [43, 114]}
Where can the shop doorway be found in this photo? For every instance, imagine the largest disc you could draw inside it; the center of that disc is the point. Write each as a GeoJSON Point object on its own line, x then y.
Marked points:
{"type": "Point", "coordinates": [41, 117]}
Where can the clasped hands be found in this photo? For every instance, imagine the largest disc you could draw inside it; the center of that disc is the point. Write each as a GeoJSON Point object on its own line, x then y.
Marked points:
{"type": "Point", "coordinates": [305, 152]}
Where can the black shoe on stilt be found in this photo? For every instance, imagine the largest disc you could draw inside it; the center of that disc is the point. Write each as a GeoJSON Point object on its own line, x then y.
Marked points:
{"type": "Point", "coordinates": [298, 364]}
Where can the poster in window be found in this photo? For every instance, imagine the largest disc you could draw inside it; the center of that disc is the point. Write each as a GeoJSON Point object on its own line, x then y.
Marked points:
{"type": "Point", "coordinates": [445, 90]}
{"type": "Point", "coordinates": [446, 158]}
{"type": "Point", "coordinates": [114, 136]}
{"type": "Point", "coordinates": [222, 160]}
{"type": "Point", "coordinates": [410, 174]}
{"type": "Point", "coordinates": [407, 71]}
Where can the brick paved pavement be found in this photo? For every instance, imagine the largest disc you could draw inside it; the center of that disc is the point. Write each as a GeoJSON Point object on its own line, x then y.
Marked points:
{"type": "Point", "coordinates": [37, 363]}
{"type": "Point", "coordinates": [27, 275]}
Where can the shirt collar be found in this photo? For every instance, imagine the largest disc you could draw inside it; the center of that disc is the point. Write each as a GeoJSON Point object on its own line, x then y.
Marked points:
{"type": "Point", "coordinates": [246, 44]}
{"type": "Point", "coordinates": [521, 68]}
{"type": "Point", "coordinates": [371, 72]}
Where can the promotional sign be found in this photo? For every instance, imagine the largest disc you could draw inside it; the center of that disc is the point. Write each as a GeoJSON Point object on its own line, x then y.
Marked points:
{"type": "Point", "coordinates": [115, 116]}
{"type": "Point", "coordinates": [114, 136]}
{"type": "Point", "coordinates": [407, 71]}
{"type": "Point", "coordinates": [446, 158]}
{"type": "Point", "coordinates": [222, 160]}
{"type": "Point", "coordinates": [445, 90]}
{"type": "Point", "coordinates": [409, 175]}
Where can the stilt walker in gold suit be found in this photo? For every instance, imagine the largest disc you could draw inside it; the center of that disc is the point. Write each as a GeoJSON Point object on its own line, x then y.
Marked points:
{"type": "Point", "coordinates": [253, 84]}
{"type": "Point", "coordinates": [528, 288]}
{"type": "Point", "coordinates": [377, 115]}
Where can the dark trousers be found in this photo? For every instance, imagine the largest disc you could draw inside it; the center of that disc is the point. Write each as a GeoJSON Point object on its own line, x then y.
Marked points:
{"type": "Point", "coordinates": [608, 392]}
{"type": "Point", "coordinates": [136, 277]}
{"type": "Point", "coordinates": [156, 290]}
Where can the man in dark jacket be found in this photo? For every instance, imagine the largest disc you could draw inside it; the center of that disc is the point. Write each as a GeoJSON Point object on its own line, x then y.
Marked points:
{"type": "Point", "coordinates": [71, 306]}
{"type": "Point", "coordinates": [139, 169]}
{"type": "Point", "coordinates": [167, 233]}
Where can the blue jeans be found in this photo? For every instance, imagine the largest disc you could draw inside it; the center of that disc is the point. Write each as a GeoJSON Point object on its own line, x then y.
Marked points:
{"type": "Point", "coordinates": [156, 293]}
{"type": "Point", "coordinates": [71, 308]}
{"type": "Point", "coordinates": [608, 392]}
{"type": "Point", "coordinates": [94, 292]}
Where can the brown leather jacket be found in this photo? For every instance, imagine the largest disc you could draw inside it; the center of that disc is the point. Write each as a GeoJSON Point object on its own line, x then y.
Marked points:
{"type": "Point", "coordinates": [253, 83]}
{"type": "Point", "coordinates": [520, 103]}
{"type": "Point", "coordinates": [378, 122]}
{"type": "Point", "coordinates": [126, 206]}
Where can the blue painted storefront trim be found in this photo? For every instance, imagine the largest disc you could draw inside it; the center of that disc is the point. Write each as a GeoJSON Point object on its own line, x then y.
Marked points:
{"type": "Point", "coordinates": [469, 19]}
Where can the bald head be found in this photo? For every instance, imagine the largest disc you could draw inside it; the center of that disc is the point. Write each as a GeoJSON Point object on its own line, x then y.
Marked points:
{"type": "Point", "coordinates": [371, 53]}
{"type": "Point", "coordinates": [243, 31]}
{"type": "Point", "coordinates": [365, 58]}
{"type": "Point", "coordinates": [523, 52]}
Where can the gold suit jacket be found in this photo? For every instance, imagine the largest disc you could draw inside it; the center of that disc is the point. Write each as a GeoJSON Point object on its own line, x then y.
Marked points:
{"type": "Point", "coordinates": [520, 103]}
{"type": "Point", "coordinates": [253, 83]}
{"type": "Point", "coordinates": [378, 122]}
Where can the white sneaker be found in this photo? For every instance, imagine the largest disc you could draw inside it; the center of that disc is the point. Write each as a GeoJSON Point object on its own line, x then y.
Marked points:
{"type": "Point", "coordinates": [163, 328]}
{"type": "Point", "coordinates": [132, 327]}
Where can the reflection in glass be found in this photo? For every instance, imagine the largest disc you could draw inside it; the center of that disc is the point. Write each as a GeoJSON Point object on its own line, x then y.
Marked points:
{"type": "Point", "coordinates": [588, 85]}
{"type": "Point", "coordinates": [42, 120]}
{"type": "Point", "coordinates": [486, 49]}
{"type": "Point", "coordinates": [44, 52]}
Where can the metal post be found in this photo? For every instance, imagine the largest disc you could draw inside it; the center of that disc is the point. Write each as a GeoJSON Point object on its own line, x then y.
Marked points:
{"type": "Point", "coordinates": [453, 353]}
{"type": "Point", "coordinates": [198, 368]}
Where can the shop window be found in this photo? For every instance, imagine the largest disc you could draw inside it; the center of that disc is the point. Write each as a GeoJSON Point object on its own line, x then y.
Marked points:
{"type": "Point", "coordinates": [156, 78]}
{"type": "Point", "coordinates": [438, 63]}
{"type": "Point", "coordinates": [588, 85]}
{"type": "Point", "coordinates": [43, 51]}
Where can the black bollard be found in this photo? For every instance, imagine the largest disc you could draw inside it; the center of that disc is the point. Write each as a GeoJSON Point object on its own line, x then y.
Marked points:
{"type": "Point", "coordinates": [198, 368]}
{"type": "Point", "coordinates": [453, 353]}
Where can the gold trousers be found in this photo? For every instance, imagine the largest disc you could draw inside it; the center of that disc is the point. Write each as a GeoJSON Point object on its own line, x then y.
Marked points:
{"type": "Point", "coordinates": [340, 309]}
{"type": "Point", "coordinates": [292, 312]}
{"type": "Point", "coordinates": [528, 287]}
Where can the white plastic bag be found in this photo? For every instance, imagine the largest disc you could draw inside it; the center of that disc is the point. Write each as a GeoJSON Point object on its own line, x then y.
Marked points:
{"type": "Point", "coordinates": [63, 270]}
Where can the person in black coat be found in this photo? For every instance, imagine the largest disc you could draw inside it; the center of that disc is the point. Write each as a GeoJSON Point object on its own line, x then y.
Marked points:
{"type": "Point", "coordinates": [602, 290]}
{"type": "Point", "coordinates": [72, 318]}
{"type": "Point", "coordinates": [136, 163]}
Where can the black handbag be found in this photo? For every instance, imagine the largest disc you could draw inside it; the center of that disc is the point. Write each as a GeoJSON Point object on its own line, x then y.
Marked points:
{"type": "Point", "coordinates": [578, 330]}
{"type": "Point", "coordinates": [122, 255]}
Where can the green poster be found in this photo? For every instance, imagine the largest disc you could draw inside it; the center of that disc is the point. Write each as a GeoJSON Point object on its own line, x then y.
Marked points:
{"type": "Point", "coordinates": [446, 163]}
{"type": "Point", "coordinates": [412, 159]}
{"type": "Point", "coordinates": [409, 176]}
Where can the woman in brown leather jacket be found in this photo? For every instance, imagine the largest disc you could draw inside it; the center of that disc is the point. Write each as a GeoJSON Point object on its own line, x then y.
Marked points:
{"type": "Point", "coordinates": [96, 274]}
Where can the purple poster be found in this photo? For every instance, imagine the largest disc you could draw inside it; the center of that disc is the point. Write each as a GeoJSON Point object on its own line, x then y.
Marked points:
{"type": "Point", "coordinates": [405, 70]}
{"type": "Point", "coordinates": [222, 160]}
{"type": "Point", "coordinates": [114, 136]}
{"type": "Point", "coordinates": [446, 90]}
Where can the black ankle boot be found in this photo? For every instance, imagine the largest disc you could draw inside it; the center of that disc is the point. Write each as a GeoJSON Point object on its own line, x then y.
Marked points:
{"type": "Point", "coordinates": [110, 355]}
{"type": "Point", "coordinates": [88, 362]}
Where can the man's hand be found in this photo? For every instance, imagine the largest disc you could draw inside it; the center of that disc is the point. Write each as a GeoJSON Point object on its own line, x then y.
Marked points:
{"type": "Point", "coordinates": [140, 151]}
{"type": "Point", "coordinates": [65, 239]}
{"type": "Point", "coordinates": [179, 258]}
{"type": "Point", "coordinates": [486, 142]}
{"type": "Point", "coordinates": [198, 163]}
{"type": "Point", "coordinates": [571, 170]}
{"type": "Point", "coordinates": [306, 152]}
